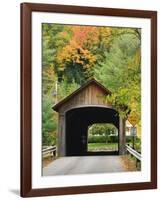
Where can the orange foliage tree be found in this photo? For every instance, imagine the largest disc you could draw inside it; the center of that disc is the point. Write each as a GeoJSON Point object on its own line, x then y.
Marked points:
{"type": "Point", "coordinates": [79, 56]}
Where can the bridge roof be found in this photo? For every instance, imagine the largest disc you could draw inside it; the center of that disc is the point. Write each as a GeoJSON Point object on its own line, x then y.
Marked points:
{"type": "Point", "coordinates": [69, 97]}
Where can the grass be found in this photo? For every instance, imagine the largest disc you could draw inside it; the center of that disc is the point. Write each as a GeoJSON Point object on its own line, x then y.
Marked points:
{"type": "Point", "coordinates": [109, 146]}
{"type": "Point", "coordinates": [102, 146]}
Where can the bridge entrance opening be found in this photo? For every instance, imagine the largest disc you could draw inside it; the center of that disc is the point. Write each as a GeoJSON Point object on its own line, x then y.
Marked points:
{"type": "Point", "coordinates": [78, 123]}
{"type": "Point", "coordinates": [102, 137]}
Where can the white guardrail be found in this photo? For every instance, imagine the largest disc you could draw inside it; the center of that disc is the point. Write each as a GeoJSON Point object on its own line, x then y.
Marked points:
{"type": "Point", "coordinates": [136, 154]}
{"type": "Point", "coordinates": [49, 151]}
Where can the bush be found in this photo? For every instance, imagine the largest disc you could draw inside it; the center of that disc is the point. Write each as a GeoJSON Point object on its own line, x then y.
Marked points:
{"type": "Point", "coordinates": [102, 139]}
{"type": "Point", "coordinates": [96, 139]}
{"type": "Point", "coordinates": [129, 138]}
{"type": "Point", "coordinates": [111, 139]}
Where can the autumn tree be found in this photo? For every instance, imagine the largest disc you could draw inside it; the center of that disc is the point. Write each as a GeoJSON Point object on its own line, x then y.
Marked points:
{"type": "Point", "coordinates": [72, 54]}
{"type": "Point", "coordinates": [76, 59]}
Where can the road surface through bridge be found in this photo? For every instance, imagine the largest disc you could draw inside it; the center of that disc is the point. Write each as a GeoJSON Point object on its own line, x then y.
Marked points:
{"type": "Point", "coordinates": [84, 165]}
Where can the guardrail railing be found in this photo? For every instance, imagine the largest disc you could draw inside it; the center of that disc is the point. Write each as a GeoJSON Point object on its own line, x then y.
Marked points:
{"type": "Point", "coordinates": [133, 152]}
{"type": "Point", "coordinates": [49, 151]}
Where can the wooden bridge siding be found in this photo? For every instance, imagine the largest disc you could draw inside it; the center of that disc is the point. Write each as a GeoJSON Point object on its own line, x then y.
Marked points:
{"type": "Point", "coordinates": [122, 137]}
{"type": "Point", "coordinates": [89, 96]}
{"type": "Point", "coordinates": [61, 149]}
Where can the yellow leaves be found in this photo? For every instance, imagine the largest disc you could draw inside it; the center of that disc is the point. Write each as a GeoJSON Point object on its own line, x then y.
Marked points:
{"type": "Point", "coordinates": [80, 49]}
{"type": "Point", "coordinates": [63, 34]}
{"type": "Point", "coordinates": [74, 53]}
{"type": "Point", "coordinates": [135, 62]}
{"type": "Point", "coordinates": [105, 31]}
{"type": "Point", "coordinates": [49, 72]}
{"type": "Point", "coordinates": [104, 35]}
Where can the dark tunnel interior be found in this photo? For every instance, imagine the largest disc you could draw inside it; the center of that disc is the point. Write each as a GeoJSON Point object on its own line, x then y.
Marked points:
{"type": "Point", "coordinates": [77, 123]}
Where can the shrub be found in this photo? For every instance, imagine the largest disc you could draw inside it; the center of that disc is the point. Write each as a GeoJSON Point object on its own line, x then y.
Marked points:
{"type": "Point", "coordinates": [111, 139]}
{"type": "Point", "coordinates": [102, 139]}
{"type": "Point", "coordinates": [96, 139]}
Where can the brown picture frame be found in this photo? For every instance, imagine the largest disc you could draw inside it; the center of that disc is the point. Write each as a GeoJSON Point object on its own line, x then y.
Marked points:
{"type": "Point", "coordinates": [26, 98]}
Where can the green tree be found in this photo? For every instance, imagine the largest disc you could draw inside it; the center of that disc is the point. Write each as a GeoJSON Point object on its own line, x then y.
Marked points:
{"type": "Point", "coordinates": [102, 130]}
{"type": "Point", "coordinates": [49, 123]}
{"type": "Point", "coordinates": [120, 73]}
{"type": "Point", "coordinates": [65, 88]}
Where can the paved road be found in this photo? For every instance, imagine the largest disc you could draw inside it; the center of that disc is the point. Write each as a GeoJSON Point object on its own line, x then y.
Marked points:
{"type": "Point", "coordinates": [84, 165]}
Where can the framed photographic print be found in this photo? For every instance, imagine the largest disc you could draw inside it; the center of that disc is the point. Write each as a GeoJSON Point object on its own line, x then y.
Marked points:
{"type": "Point", "coordinates": [88, 99]}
